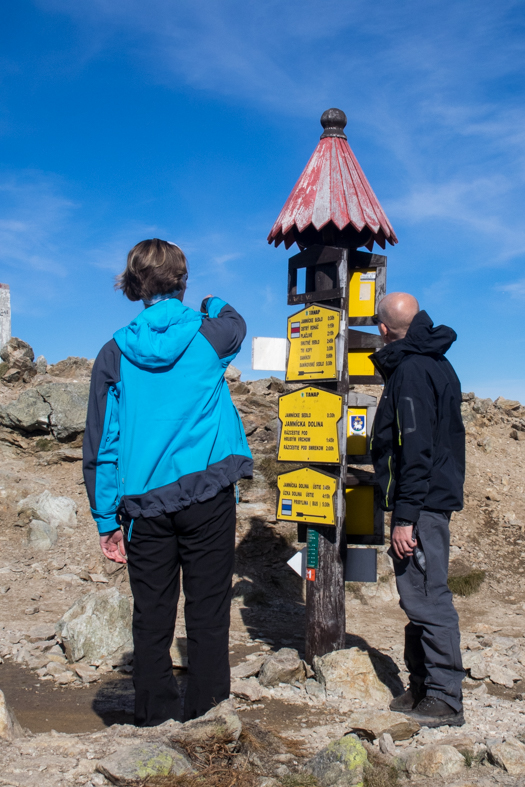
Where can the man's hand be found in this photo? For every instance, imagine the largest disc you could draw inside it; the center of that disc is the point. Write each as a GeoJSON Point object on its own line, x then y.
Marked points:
{"type": "Point", "coordinates": [112, 545]}
{"type": "Point", "coordinates": [403, 542]}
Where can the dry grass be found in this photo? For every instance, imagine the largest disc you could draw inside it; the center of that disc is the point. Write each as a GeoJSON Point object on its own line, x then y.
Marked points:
{"type": "Point", "coordinates": [379, 772]}
{"type": "Point", "coordinates": [216, 764]}
{"type": "Point", "coordinates": [466, 584]}
{"type": "Point", "coordinates": [219, 763]}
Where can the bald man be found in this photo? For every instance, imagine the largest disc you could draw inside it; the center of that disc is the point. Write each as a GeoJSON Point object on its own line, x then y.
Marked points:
{"type": "Point", "coordinates": [418, 450]}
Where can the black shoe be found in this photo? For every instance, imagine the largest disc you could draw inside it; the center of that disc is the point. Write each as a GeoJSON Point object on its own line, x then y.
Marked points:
{"type": "Point", "coordinates": [407, 702]}
{"type": "Point", "coordinates": [433, 712]}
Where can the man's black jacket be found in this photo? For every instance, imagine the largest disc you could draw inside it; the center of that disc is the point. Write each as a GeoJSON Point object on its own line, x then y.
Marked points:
{"type": "Point", "coordinates": [418, 439]}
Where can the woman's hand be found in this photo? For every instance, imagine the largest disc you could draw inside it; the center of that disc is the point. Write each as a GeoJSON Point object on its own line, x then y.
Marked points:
{"type": "Point", "coordinates": [112, 545]}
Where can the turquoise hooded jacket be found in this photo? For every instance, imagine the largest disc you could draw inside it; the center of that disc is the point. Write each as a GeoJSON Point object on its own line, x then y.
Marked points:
{"type": "Point", "coordinates": [162, 431]}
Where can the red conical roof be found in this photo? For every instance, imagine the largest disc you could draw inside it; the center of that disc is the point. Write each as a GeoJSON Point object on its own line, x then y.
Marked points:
{"type": "Point", "coordinates": [332, 187]}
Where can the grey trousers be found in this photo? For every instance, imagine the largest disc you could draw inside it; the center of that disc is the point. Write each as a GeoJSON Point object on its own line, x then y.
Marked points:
{"type": "Point", "coordinates": [432, 639]}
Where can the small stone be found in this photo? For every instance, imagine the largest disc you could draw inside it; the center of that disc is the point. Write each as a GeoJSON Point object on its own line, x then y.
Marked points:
{"type": "Point", "coordinates": [134, 764]}
{"type": "Point", "coordinates": [476, 664]}
{"type": "Point", "coordinates": [86, 674]}
{"type": "Point", "coordinates": [53, 668]}
{"type": "Point", "coordinates": [340, 764]}
{"type": "Point", "coordinates": [56, 658]}
{"type": "Point", "coordinates": [503, 676]}
{"type": "Point", "coordinates": [285, 666]}
{"type": "Point", "coordinates": [41, 535]}
{"type": "Point", "coordinates": [219, 722]}
{"type": "Point", "coordinates": [64, 678]}
{"type": "Point", "coordinates": [31, 610]}
{"type": "Point", "coordinates": [372, 724]}
{"type": "Point", "coordinates": [509, 755]}
{"type": "Point", "coordinates": [517, 434]}
{"type": "Point", "coordinates": [314, 689]}
{"type": "Point", "coordinates": [249, 668]}
{"type": "Point", "coordinates": [435, 760]}
{"type": "Point", "coordinates": [41, 365]}
{"type": "Point", "coordinates": [351, 674]}
{"type": "Point", "coordinates": [232, 374]}
{"type": "Point", "coordinates": [9, 726]}
{"type": "Point", "coordinates": [462, 742]}
{"type": "Point", "coordinates": [98, 578]}
{"type": "Point", "coordinates": [386, 744]}
{"type": "Point", "coordinates": [248, 689]}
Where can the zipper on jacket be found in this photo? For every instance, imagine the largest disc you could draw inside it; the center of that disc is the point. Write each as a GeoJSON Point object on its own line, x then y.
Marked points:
{"type": "Point", "coordinates": [130, 530]}
{"type": "Point", "coordinates": [389, 480]}
{"type": "Point", "coordinates": [398, 428]}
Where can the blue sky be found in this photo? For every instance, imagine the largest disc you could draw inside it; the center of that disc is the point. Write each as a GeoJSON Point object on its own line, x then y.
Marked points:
{"type": "Point", "coordinates": [192, 120]}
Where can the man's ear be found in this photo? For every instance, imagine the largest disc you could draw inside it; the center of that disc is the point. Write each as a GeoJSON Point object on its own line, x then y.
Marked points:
{"type": "Point", "coordinates": [383, 330]}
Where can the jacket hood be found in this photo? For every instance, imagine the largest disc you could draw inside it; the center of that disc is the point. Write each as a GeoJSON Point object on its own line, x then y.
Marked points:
{"type": "Point", "coordinates": [159, 335]}
{"type": "Point", "coordinates": [421, 339]}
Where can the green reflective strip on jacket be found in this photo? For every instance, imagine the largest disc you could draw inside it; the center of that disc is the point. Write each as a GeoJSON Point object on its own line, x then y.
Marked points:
{"type": "Point", "coordinates": [389, 480]}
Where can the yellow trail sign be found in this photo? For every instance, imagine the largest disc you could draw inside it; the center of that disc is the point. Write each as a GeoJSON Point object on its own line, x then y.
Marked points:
{"type": "Point", "coordinates": [307, 495]}
{"type": "Point", "coordinates": [309, 426]}
{"type": "Point", "coordinates": [362, 294]}
{"type": "Point", "coordinates": [312, 333]}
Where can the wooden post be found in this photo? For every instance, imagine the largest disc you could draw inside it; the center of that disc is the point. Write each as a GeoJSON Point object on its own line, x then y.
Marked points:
{"type": "Point", "coordinates": [325, 596]}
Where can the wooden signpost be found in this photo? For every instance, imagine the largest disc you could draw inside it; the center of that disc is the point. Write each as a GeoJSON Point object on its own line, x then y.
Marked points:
{"type": "Point", "coordinates": [324, 426]}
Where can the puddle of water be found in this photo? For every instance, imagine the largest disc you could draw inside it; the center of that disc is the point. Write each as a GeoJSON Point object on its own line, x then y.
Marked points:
{"type": "Point", "coordinates": [42, 706]}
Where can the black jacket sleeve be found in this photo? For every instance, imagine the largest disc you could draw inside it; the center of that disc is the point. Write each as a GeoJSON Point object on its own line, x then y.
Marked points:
{"type": "Point", "coordinates": [224, 328]}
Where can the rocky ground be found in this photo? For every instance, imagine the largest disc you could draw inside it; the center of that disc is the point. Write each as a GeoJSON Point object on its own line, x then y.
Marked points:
{"type": "Point", "coordinates": [57, 594]}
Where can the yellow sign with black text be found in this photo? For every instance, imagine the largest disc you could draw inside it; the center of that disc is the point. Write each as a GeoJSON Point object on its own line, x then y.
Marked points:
{"type": "Point", "coordinates": [309, 426]}
{"type": "Point", "coordinates": [306, 495]}
{"type": "Point", "coordinates": [312, 333]}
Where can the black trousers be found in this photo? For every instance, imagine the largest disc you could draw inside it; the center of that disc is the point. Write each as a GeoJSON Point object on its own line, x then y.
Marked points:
{"type": "Point", "coordinates": [201, 540]}
{"type": "Point", "coordinates": [432, 639]}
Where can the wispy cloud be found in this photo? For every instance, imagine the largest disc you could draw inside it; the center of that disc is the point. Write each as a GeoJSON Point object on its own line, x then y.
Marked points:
{"type": "Point", "coordinates": [515, 289]}
{"type": "Point", "coordinates": [35, 212]}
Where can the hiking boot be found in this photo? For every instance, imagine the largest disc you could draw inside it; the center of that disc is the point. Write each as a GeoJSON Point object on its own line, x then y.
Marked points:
{"type": "Point", "coordinates": [433, 712]}
{"type": "Point", "coordinates": [407, 702]}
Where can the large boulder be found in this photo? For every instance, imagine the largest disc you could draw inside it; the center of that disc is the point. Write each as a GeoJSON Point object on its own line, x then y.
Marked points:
{"type": "Point", "coordinates": [17, 362]}
{"type": "Point", "coordinates": [285, 666]}
{"type": "Point", "coordinates": [48, 508]}
{"type": "Point", "coordinates": [68, 402]}
{"type": "Point", "coordinates": [56, 408]}
{"type": "Point", "coordinates": [133, 765]}
{"type": "Point", "coordinates": [95, 626]}
{"type": "Point", "coordinates": [28, 413]}
{"type": "Point", "coordinates": [351, 674]}
{"type": "Point", "coordinates": [340, 764]}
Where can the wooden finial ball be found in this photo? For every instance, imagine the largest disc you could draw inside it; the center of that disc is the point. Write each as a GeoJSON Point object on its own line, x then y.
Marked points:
{"type": "Point", "coordinates": [333, 121]}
